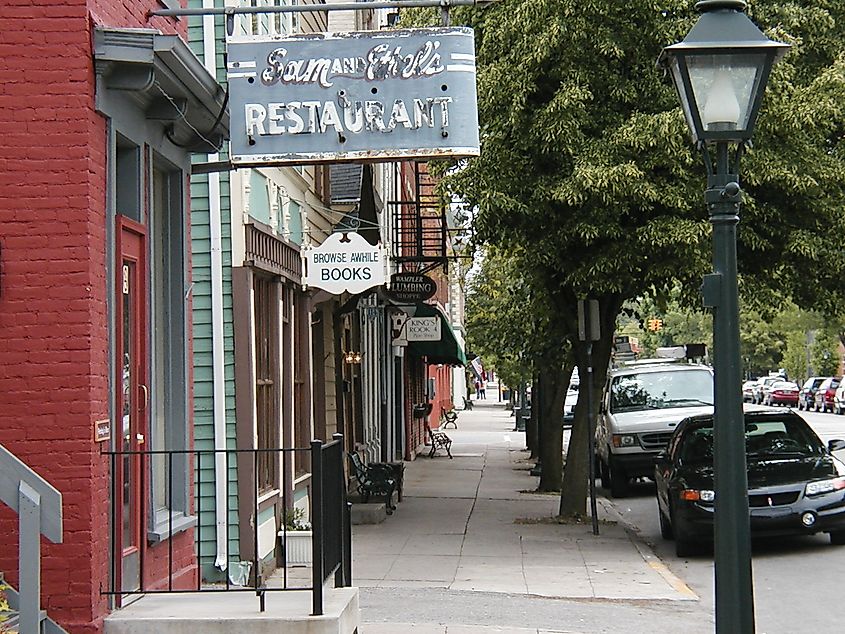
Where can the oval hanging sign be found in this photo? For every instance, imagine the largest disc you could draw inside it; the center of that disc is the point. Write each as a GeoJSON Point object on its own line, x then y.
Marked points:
{"type": "Point", "coordinates": [411, 287]}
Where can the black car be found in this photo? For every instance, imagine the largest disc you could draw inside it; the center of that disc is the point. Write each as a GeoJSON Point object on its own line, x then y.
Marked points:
{"type": "Point", "coordinates": [795, 485]}
{"type": "Point", "coordinates": [807, 394]}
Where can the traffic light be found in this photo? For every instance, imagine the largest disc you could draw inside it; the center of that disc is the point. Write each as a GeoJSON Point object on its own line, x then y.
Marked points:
{"type": "Point", "coordinates": [655, 324]}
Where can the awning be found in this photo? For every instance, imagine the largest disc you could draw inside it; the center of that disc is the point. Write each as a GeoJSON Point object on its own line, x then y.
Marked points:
{"type": "Point", "coordinates": [446, 350]}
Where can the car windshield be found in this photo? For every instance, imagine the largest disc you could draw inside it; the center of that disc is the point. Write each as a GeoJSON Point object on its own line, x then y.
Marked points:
{"type": "Point", "coordinates": [661, 390]}
{"type": "Point", "coordinates": [788, 436]}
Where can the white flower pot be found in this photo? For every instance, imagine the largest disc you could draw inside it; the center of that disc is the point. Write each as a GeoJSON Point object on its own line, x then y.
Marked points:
{"type": "Point", "coordinates": [297, 545]}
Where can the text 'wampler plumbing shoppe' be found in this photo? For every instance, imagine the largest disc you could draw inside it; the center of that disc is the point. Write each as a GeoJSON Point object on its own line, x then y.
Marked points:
{"type": "Point", "coordinates": [353, 96]}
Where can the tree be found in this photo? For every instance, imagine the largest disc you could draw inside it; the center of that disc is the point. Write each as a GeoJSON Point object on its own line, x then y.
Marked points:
{"type": "Point", "coordinates": [795, 357]}
{"type": "Point", "coordinates": [586, 169]}
{"type": "Point", "coordinates": [517, 329]}
{"type": "Point", "coordinates": [824, 354]}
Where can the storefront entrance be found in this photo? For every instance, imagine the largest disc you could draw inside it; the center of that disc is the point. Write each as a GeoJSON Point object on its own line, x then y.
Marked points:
{"type": "Point", "coordinates": [132, 401]}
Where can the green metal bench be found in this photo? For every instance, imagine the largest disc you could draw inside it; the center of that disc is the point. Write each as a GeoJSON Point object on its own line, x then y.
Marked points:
{"type": "Point", "coordinates": [439, 440]}
{"type": "Point", "coordinates": [375, 480]}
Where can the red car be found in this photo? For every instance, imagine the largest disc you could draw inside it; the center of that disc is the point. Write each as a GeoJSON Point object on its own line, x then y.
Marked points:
{"type": "Point", "coordinates": [782, 393]}
{"type": "Point", "coordinates": [825, 394]}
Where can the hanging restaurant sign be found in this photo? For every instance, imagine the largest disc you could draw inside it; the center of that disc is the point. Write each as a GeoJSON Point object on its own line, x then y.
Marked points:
{"type": "Point", "coordinates": [345, 262]}
{"type": "Point", "coordinates": [411, 287]}
{"type": "Point", "coordinates": [375, 95]}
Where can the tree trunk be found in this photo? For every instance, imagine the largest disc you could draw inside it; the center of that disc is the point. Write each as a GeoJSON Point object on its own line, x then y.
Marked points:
{"type": "Point", "coordinates": [535, 414]}
{"type": "Point", "coordinates": [553, 383]}
{"type": "Point", "coordinates": [574, 491]}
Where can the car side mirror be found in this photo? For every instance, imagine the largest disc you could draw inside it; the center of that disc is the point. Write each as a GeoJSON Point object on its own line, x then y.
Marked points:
{"type": "Point", "coordinates": [835, 445]}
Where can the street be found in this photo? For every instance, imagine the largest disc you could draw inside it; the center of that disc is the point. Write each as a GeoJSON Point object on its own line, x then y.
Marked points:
{"type": "Point", "coordinates": [796, 580]}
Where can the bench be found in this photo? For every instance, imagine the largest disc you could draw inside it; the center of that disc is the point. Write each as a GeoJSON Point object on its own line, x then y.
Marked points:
{"type": "Point", "coordinates": [375, 479]}
{"type": "Point", "coordinates": [439, 440]}
{"type": "Point", "coordinates": [449, 418]}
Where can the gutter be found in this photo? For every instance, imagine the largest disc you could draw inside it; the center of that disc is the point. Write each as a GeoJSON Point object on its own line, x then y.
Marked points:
{"type": "Point", "coordinates": [221, 559]}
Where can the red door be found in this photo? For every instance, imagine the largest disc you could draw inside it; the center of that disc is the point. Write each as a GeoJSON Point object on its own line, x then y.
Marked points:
{"type": "Point", "coordinates": [132, 401]}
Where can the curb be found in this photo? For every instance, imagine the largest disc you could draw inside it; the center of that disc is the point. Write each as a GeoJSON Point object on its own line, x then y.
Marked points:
{"type": "Point", "coordinates": [651, 559]}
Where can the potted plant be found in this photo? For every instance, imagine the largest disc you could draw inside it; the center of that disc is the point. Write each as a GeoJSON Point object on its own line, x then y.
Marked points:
{"type": "Point", "coordinates": [296, 537]}
{"type": "Point", "coordinates": [422, 409]}
{"type": "Point", "coordinates": [5, 610]}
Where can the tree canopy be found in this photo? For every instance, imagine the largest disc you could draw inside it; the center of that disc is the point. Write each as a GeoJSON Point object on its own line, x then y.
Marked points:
{"type": "Point", "coordinates": [588, 173]}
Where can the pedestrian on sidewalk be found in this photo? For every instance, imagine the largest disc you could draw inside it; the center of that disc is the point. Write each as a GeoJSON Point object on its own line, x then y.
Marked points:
{"type": "Point", "coordinates": [482, 390]}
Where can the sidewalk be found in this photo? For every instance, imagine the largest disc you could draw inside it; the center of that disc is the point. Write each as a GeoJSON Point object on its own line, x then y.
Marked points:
{"type": "Point", "coordinates": [467, 551]}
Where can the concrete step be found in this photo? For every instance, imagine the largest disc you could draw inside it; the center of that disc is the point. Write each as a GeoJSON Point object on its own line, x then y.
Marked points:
{"type": "Point", "coordinates": [369, 513]}
{"type": "Point", "coordinates": [237, 612]}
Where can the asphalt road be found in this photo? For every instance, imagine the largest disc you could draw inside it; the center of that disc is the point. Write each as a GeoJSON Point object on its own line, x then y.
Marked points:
{"type": "Point", "coordinates": [797, 581]}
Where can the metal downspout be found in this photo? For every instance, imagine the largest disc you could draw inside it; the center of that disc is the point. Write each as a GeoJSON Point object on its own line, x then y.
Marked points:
{"type": "Point", "coordinates": [221, 559]}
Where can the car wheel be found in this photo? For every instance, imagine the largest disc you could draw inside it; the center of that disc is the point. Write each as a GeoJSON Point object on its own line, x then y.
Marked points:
{"type": "Point", "coordinates": [604, 474]}
{"type": "Point", "coordinates": [618, 480]}
{"type": "Point", "coordinates": [837, 538]}
{"type": "Point", "coordinates": [666, 531]}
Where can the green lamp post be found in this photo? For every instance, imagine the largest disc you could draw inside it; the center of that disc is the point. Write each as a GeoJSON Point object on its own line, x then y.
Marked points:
{"type": "Point", "coordinates": [720, 71]}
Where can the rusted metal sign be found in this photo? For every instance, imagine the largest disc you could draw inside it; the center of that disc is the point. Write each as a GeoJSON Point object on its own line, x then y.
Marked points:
{"type": "Point", "coordinates": [367, 96]}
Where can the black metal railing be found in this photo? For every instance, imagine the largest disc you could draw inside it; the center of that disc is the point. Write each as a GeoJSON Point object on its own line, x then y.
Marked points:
{"type": "Point", "coordinates": [330, 522]}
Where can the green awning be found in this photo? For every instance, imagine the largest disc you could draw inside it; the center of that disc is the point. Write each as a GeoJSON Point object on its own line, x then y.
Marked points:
{"type": "Point", "coordinates": [447, 350]}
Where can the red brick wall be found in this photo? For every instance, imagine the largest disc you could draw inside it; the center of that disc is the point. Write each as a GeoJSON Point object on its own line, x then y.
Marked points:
{"type": "Point", "coordinates": [442, 401]}
{"type": "Point", "coordinates": [53, 303]}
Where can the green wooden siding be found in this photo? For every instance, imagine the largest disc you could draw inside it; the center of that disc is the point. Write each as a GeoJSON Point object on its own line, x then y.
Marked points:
{"type": "Point", "coordinates": [259, 197]}
{"type": "Point", "coordinates": [202, 338]}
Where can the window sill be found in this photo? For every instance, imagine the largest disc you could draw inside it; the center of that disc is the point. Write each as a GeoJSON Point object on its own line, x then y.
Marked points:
{"type": "Point", "coordinates": [263, 497]}
{"type": "Point", "coordinates": [165, 528]}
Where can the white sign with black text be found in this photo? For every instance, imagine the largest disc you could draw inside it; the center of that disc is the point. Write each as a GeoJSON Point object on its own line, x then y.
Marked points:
{"type": "Point", "coordinates": [345, 262]}
{"type": "Point", "coordinates": [423, 329]}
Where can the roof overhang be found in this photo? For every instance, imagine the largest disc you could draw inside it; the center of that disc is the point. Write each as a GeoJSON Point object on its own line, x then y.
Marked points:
{"type": "Point", "coordinates": [167, 81]}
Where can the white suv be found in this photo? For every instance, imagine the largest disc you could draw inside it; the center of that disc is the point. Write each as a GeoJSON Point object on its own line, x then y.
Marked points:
{"type": "Point", "coordinates": [641, 406]}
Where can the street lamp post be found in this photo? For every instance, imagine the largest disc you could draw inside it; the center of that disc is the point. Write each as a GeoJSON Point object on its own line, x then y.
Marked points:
{"type": "Point", "coordinates": [720, 71]}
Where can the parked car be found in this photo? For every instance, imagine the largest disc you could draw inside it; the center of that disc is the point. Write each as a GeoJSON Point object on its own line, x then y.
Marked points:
{"type": "Point", "coordinates": [839, 399]}
{"type": "Point", "coordinates": [795, 485]}
{"type": "Point", "coordinates": [825, 394]}
{"type": "Point", "coordinates": [807, 395]}
{"type": "Point", "coordinates": [569, 403]}
{"type": "Point", "coordinates": [641, 405]}
{"type": "Point", "coordinates": [763, 384]}
{"type": "Point", "coordinates": [782, 393]}
{"type": "Point", "coordinates": [748, 390]}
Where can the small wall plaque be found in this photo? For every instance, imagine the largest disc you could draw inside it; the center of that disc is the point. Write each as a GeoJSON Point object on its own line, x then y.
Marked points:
{"type": "Point", "coordinates": [102, 430]}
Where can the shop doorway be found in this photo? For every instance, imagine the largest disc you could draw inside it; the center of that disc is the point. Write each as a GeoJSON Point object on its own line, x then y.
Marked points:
{"type": "Point", "coordinates": [132, 402]}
